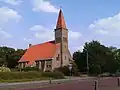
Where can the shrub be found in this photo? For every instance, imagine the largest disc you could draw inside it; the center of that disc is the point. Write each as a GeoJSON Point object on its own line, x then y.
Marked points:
{"type": "Point", "coordinates": [15, 69]}
{"type": "Point", "coordinates": [105, 74]}
{"type": "Point", "coordinates": [4, 69]}
{"type": "Point", "coordinates": [55, 75]}
{"type": "Point", "coordinates": [75, 70]}
{"type": "Point", "coordinates": [19, 75]}
{"type": "Point", "coordinates": [29, 75]}
{"type": "Point", "coordinates": [64, 70]}
{"type": "Point", "coordinates": [26, 69]}
{"type": "Point", "coordinates": [117, 74]}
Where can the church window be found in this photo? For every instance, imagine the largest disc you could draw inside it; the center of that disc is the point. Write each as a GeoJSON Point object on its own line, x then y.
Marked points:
{"type": "Point", "coordinates": [65, 57]}
{"type": "Point", "coordinates": [64, 39]}
{"type": "Point", "coordinates": [57, 58]}
{"type": "Point", "coordinates": [69, 59]}
{"type": "Point", "coordinates": [48, 66]}
{"type": "Point", "coordinates": [65, 46]}
{"type": "Point", "coordinates": [58, 39]}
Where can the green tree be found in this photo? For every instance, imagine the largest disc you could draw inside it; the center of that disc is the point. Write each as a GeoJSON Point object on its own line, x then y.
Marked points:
{"type": "Point", "coordinates": [80, 60]}
{"type": "Point", "coordinates": [9, 56]}
{"type": "Point", "coordinates": [96, 55]}
{"type": "Point", "coordinates": [100, 58]}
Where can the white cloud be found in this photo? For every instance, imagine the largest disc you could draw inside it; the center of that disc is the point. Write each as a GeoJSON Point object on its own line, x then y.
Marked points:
{"type": "Point", "coordinates": [7, 14]}
{"type": "Point", "coordinates": [76, 48]}
{"type": "Point", "coordinates": [43, 5]}
{"type": "Point", "coordinates": [12, 2]}
{"type": "Point", "coordinates": [38, 28]}
{"type": "Point", "coordinates": [4, 35]}
{"type": "Point", "coordinates": [108, 26]}
{"type": "Point", "coordinates": [74, 35]}
{"type": "Point", "coordinates": [27, 39]}
{"type": "Point", "coordinates": [42, 32]}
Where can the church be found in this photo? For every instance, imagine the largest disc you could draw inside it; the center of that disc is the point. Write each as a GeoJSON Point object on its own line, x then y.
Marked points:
{"type": "Point", "coordinates": [52, 54]}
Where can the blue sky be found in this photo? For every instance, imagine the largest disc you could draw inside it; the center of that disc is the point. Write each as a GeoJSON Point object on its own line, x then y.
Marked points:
{"type": "Point", "coordinates": [33, 21]}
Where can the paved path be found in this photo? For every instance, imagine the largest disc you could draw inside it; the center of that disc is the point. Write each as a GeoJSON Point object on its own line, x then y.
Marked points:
{"type": "Point", "coordinates": [46, 81]}
{"type": "Point", "coordinates": [88, 84]}
{"type": "Point", "coordinates": [76, 84]}
{"type": "Point", "coordinates": [35, 84]}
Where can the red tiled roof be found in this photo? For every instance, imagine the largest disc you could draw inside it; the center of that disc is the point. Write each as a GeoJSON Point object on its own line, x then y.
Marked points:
{"type": "Point", "coordinates": [42, 51]}
{"type": "Point", "coordinates": [61, 21]}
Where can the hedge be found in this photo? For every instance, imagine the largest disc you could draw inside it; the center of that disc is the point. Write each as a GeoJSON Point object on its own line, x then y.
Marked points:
{"type": "Point", "coordinates": [65, 70]}
{"type": "Point", "coordinates": [26, 69]}
{"type": "Point", "coordinates": [19, 75]}
{"type": "Point", "coordinates": [29, 75]}
{"type": "Point", "coordinates": [56, 75]}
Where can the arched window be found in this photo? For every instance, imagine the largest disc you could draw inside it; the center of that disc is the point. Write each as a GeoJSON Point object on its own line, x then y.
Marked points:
{"type": "Point", "coordinates": [58, 56]}
{"type": "Point", "coordinates": [65, 57]}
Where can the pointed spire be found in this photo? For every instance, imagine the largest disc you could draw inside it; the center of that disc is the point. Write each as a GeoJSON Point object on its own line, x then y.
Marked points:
{"type": "Point", "coordinates": [61, 21]}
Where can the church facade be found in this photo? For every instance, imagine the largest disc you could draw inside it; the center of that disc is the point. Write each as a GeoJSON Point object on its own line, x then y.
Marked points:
{"type": "Point", "coordinates": [52, 54]}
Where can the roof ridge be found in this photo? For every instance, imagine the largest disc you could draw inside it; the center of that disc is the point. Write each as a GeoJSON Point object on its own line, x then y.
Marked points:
{"type": "Point", "coordinates": [43, 43]}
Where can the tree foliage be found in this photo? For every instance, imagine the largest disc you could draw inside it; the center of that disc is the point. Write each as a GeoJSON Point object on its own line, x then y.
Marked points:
{"type": "Point", "coordinates": [9, 56]}
{"type": "Point", "coordinates": [100, 58]}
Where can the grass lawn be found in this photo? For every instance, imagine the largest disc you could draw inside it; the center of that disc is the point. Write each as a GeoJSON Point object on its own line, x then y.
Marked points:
{"type": "Point", "coordinates": [24, 80]}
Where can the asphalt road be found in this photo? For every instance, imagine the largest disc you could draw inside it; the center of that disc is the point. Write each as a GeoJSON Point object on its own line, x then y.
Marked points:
{"type": "Point", "coordinates": [71, 86]}
{"type": "Point", "coordinates": [38, 84]}
{"type": "Point", "coordinates": [104, 84]}
{"type": "Point", "coordinates": [78, 84]}
{"type": "Point", "coordinates": [74, 85]}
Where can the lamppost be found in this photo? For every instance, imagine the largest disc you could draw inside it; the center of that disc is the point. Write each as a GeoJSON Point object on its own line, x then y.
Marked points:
{"type": "Point", "coordinates": [70, 69]}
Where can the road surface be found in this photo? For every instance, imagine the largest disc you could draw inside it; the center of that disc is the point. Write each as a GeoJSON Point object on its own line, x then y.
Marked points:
{"type": "Point", "coordinates": [86, 84]}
